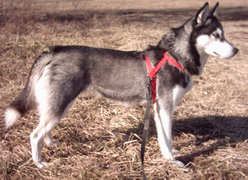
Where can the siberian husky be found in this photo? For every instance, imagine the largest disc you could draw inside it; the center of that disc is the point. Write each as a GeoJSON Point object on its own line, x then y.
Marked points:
{"type": "Point", "coordinates": [58, 76]}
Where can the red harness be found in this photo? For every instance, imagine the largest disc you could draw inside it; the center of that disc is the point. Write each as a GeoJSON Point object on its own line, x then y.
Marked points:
{"type": "Point", "coordinates": [153, 71]}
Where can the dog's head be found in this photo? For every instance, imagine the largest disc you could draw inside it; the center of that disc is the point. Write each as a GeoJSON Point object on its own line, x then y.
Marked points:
{"type": "Point", "coordinates": [209, 34]}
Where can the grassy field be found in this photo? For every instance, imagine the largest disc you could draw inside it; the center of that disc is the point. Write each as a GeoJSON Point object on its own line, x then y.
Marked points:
{"type": "Point", "coordinates": [101, 140]}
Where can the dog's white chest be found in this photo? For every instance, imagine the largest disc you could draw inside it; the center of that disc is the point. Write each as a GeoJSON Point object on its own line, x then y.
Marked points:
{"type": "Point", "coordinates": [178, 92]}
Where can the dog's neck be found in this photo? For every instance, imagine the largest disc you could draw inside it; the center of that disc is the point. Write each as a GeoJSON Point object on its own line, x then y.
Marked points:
{"type": "Point", "coordinates": [181, 46]}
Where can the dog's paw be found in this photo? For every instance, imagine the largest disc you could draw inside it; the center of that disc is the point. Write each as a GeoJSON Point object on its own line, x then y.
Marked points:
{"type": "Point", "coordinates": [178, 163]}
{"type": "Point", "coordinates": [50, 143]}
{"type": "Point", "coordinates": [174, 151]}
{"type": "Point", "coordinates": [53, 144]}
{"type": "Point", "coordinates": [41, 164]}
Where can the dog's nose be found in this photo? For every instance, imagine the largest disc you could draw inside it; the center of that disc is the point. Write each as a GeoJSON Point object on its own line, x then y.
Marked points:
{"type": "Point", "coordinates": [235, 50]}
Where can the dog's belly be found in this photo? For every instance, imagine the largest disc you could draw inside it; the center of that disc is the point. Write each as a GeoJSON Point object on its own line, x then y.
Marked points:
{"type": "Point", "coordinates": [127, 93]}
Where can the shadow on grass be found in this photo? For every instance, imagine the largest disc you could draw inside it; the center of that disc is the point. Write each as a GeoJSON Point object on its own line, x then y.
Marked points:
{"type": "Point", "coordinates": [227, 130]}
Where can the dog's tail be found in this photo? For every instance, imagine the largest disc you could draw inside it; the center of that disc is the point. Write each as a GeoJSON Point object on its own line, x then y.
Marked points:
{"type": "Point", "coordinates": [22, 103]}
{"type": "Point", "coordinates": [26, 99]}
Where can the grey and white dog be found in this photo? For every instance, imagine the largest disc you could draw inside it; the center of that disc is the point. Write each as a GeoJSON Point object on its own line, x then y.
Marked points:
{"type": "Point", "coordinates": [58, 76]}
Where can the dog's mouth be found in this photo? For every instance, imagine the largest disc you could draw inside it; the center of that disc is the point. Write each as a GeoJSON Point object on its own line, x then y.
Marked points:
{"type": "Point", "coordinates": [215, 53]}
{"type": "Point", "coordinates": [226, 56]}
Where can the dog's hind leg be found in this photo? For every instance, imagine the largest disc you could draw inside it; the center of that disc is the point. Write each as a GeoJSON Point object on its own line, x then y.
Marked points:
{"type": "Point", "coordinates": [58, 85]}
{"type": "Point", "coordinates": [47, 123]}
{"type": "Point", "coordinates": [48, 138]}
{"type": "Point", "coordinates": [50, 115]}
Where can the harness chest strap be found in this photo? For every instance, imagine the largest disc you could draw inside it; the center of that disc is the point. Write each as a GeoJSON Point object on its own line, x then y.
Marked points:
{"type": "Point", "coordinates": [153, 71]}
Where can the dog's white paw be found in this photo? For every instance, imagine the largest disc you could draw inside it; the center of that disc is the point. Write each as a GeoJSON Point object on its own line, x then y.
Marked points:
{"type": "Point", "coordinates": [174, 151]}
{"type": "Point", "coordinates": [41, 164]}
{"type": "Point", "coordinates": [179, 163]}
{"type": "Point", "coordinates": [49, 141]}
{"type": "Point", "coordinates": [52, 143]}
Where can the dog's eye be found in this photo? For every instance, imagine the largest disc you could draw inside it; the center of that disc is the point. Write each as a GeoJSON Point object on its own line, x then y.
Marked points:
{"type": "Point", "coordinates": [217, 36]}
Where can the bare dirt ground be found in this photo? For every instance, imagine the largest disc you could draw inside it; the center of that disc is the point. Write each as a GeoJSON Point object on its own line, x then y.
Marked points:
{"type": "Point", "coordinates": [101, 140]}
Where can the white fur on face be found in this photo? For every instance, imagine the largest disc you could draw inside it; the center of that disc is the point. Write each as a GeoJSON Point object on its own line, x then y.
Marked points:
{"type": "Point", "coordinates": [214, 46]}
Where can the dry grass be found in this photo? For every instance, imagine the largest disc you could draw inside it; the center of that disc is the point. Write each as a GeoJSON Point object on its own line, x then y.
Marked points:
{"type": "Point", "coordinates": [99, 140]}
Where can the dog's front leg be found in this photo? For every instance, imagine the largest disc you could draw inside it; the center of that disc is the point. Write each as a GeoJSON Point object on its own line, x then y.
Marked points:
{"type": "Point", "coordinates": [163, 120]}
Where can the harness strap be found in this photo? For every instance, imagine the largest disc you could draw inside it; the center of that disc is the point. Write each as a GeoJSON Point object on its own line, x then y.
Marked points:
{"type": "Point", "coordinates": [153, 71]}
{"type": "Point", "coordinates": [151, 95]}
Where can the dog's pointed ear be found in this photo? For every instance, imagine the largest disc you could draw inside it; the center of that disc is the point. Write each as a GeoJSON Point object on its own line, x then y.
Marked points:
{"type": "Point", "coordinates": [215, 10]}
{"type": "Point", "coordinates": [202, 14]}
